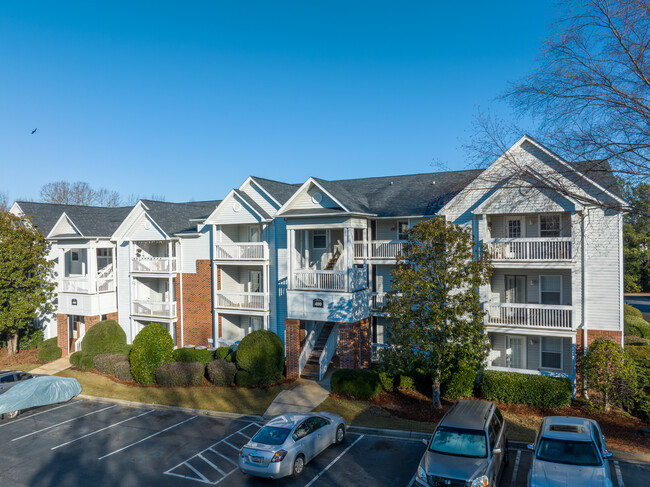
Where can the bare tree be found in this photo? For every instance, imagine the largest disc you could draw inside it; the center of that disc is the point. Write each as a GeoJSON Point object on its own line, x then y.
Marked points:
{"type": "Point", "coordinates": [78, 193]}
{"type": "Point", "coordinates": [134, 198]}
{"type": "Point", "coordinates": [4, 202]}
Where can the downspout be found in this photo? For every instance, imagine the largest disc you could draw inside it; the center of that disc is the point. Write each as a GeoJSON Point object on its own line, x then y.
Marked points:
{"type": "Point", "coordinates": [180, 286]}
{"type": "Point", "coordinates": [585, 392]}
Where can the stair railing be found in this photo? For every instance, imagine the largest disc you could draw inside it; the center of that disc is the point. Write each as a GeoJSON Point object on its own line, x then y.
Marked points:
{"type": "Point", "coordinates": [328, 352]}
{"type": "Point", "coordinates": [309, 347]}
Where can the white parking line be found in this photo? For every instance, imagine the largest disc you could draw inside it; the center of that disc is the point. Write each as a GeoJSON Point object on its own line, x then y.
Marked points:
{"type": "Point", "coordinates": [333, 462]}
{"type": "Point", "coordinates": [211, 464]}
{"type": "Point", "coordinates": [619, 477]}
{"type": "Point", "coordinates": [411, 482]}
{"type": "Point", "coordinates": [36, 414]}
{"type": "Point", "coordinates": [144, 439]}
{"type": "Point", "coordinates": [231, 445]}
{"type": "Point", "coordinates": [515, 469]}
{"type": "Point", "coordinates": [63, 422]}
{"type": "Point", "coordinates": [99, 430]}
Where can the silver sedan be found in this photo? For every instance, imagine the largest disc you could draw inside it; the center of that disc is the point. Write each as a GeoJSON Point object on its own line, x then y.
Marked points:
{"type": "Point", "coordinates": [285, 444]}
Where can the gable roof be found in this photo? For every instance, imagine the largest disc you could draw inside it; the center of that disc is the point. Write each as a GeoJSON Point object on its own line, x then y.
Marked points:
{"type": "Point", "coordinates": [176, 218]}
{"type": "Point", "coordinates": [278, 190]}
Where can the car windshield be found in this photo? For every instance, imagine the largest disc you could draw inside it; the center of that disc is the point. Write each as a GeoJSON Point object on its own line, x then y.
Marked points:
{"type": "Point", "coordinates": [568, 452]}
{"type": "Point", "coordinates": [271, 435]}
{"type": "Point", "coordinates": [457, 441]}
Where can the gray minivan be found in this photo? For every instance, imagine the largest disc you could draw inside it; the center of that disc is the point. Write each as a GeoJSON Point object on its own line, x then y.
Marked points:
{"type": "Point", "coordinates": [468, 447]}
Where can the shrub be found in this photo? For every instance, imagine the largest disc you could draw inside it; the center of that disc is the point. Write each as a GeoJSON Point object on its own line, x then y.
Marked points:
{"type": "Point", "coordinates": [86, 362]}
{"type": "Point", "coordinates": [123, 371]}
{"type": "Point", "coordinates": [190, 355]}
{"type": "Point", "coordinates": [75, 359]}
{"type": "Point", "coordinates": [221, 372]}
{"type": "Point", "coordinates": [637, 326]}
{"type": "Point", "coordinates": [48, 350]}
{"type": "Point", "coordinates": [261, 354]}
{"type": "Point", "coordinates": [631, 311]}
{"type": "Point", "coordinates": [152, 347]}
{"type": "Point", "coordinates": [635, 340]}
{"type": "Point", "coordinates": [224, 353]}
{"type": "Point", "coordinates": [640, 356]}
{"type": "Point", "coordinates": [30, 337]}
{"type": "Point", "coordinates": [416, 380]}
{"type": "Point", "coordinates": [105, 362]}
{"type": "Point", "coordinates": [459, 382]}
{"type": "Point", "coordinates": [533, 390]}
{"type": "Point", "coordinates": [180, 374]}
{"type": "Point", "coordinates": [244, 379]}
{"type": "Point", "coordinates": [105, 337]}
{"type": "Point", "coordinates": [360, 384]}
{"type": "Point", "coordinates": [387, 381]}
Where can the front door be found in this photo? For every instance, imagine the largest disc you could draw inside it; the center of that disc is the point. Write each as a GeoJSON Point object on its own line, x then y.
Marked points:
{"type": "Point", "coordinates": [255, 323]}
{"type": "Point", "coordinates": [254, 234]}
{"type": "Point", "coordinates": [516, 352]}
{"type": "Point", "coordinates": [255, 282]}
{"type": "Point", "coordinates": [74, 329]}
{"type": "Point", "coordinates": [515, 289]}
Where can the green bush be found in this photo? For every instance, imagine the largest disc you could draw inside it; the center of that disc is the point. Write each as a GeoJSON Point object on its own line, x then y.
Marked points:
{"type": "Point", "coordinates": [635, 340]}
{"type": "Point", "coordinates": [244, 379]}
{"type": "Point", "coordinates": [105, 337]}
{"type": "Point", "coordinates": [221, 372]}
{"type": "Point", "coordinates": [224, 353]}
{"type": "Point", "coordinates": [640, 355]}
{"type": "Point", "coordinates": [459, 382]}
{"type": "Point", "coordinates": [190, 355]}
{"type": "Point", "coordinates": [75, 359]}
{"type": "Point", "coordinates": [48, 350]}
{"type": "Point", "coordinates": [87, 362]}
{"type": "Point", "coordinates": [387, 381]}
{"type": "Point", "coordinates": [105, 362]}
{"type": "Point", "coordinates": [357, 383]}
{"type": "Point", "coordinates": [152, 347]}
{"type": "Point", "coordinates": [30, 337]}
{"type": "Point", "coordinates": [416, 380]}
{"type": "Point", "coordinates": [180, 374]}
{"type": "Point", "coordinates": [533, 390]}
{"type": "Point", "coordinates": [261, 354]}
{"type": "Point", "coordinates": [123, 371]}
{"type": "Point", "coordinates": [637, 327]}
{"type": "Point", "coordinates": [631, 311]}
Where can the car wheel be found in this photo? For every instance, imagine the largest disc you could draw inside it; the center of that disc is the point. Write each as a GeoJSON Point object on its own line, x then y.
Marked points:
{"type": "Point", "coordinates": [340, 434]}
{"type": "Point", "coordinates": [12, 414]}
{"type": "Point", "coordinates": [506, 455]}
{"type": "Point", "coordinates": [298, 466]}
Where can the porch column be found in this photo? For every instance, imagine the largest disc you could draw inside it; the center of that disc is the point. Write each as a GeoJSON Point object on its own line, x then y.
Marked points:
{"type": "Point", "coordinates": [91, 269]}
{"type": "Point", "coordinates": [294, 333]}
{"type": "Point", "coordinates": [290, 251]}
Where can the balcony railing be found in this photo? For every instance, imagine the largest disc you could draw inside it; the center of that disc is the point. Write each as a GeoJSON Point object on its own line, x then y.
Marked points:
{"type": "Point", "coordinates": [154, 309]}
{"type": "Point", "coordinates": [386, 249]}
{"type": "Point", "coordinates": [241, 251]}
{"type": "Point", "coordinates": [558, 248]}
{"type": "Point", "coordinates": [377, 300]}
{"type": "Point", "coordinates": [529, 315]}
{"type": "Point", "coordinates": [350, 280]}
{"type": "Point", "coordinates": [249, 301]}
{"type": "Point", "coordinates": [359, 250]}
{"type": "Point", "coordinates": [153, 264]}
{"type": "Point", "coordinates": [82, 285]}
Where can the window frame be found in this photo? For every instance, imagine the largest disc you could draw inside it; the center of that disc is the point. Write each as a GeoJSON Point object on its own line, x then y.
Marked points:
{"type": "Point", "coordinates": [313, 239]}
{"type": "Point", "coordinates": [541, 290]}
{"type": "Point", "coordinates": [559, 224]}
{"type": "Point", "coordinates": [541, 353]}
{"type": "Point", "coordinates": [522, 226]}
{"type": "Point", "coordinates": [401, 234]}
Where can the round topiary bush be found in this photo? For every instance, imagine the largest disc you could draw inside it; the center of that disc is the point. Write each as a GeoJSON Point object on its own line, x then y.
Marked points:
{"type": "Point", "coordinates": [48, 350]}
{"type": "Point", "coordinates": [632, 311]}
{"type": "Point", "coordinates": [190, 355]}
{"type": "Point", "coordinates": [87, 362]}
{"type": "Point", "coordinates": [244, 379]}
{"type": "Point", "coordinates": [261, 354]}
{"type": "Point", "coordinates": [357, 383]}
{"type": "Point", "coordinates": [152, 347]}
{"type": "Point", "coordinates": [221, 372]}
{"type": "Point", "coordinates": [180, 374]}
{"type": "Point", "coordinates": [75, 359]}
{"type": "Point", "coordinates": [637, 326]}
{"type": "Point", "coordinates": [105, 362]}
{"type": "Point", "coordinates": [105, 337]}
{"type": "Point", "coordinates": [123, 371]}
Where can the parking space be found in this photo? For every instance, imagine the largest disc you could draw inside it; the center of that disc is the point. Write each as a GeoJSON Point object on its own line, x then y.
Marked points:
{"type": "Point", "coordinates": [91, 443]}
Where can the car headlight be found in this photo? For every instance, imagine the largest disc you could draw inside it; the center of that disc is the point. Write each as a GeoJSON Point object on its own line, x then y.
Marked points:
{"type": "Point", "coordinates": [422, 475]}
{"type": "Point", "coordinates": [482, 481]}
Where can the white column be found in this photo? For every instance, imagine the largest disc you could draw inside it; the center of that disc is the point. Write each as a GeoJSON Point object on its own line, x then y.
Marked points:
{"type": "Point", "coordinates": [290, 251]}
{"type": "Point", "coordinates": [91, 268]}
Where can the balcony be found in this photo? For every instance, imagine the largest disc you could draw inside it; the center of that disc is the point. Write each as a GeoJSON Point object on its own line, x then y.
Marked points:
{"type": "Point", "coordinates": [386, 249]}
{"type": "Point", "coordinates": [529, 315]}
{"type": "Point", "coordinates": [153, 265]}
{"type": "Point", "coordinates": [241, 251]}
{"type": "Point", "coordinates": [243, 301]}
{"type": "Point", "coordinates": [377, 300]}
{"type": "Point", "coordinates": [154, 309]}
{"type": "Point", "coordinates": [530, 249]}
{"type": "Point", "coordinates": [82, 285]}
{"type": "Point", "coordinates": [353, 279]}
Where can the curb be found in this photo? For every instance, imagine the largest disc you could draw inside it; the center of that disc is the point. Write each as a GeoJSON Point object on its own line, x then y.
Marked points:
{"type": "Point", "coordinates": [164, 407]}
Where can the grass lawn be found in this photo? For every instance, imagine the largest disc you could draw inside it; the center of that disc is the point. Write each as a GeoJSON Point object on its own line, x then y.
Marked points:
{"type": "Point", "coordinates": [227, 399]}
{"type": "Point", "coordinates": [23, 367]}
{"type": "Point", "coordinates": [362, 413]}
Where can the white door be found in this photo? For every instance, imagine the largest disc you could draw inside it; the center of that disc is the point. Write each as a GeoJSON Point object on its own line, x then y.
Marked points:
{"type": "Point", "coordinates": [255, 282]}
{"type": "Point", "coordinates": [255, 323]}
{"type": "Point", "coordinates": [254, 234]}
{"type": "Point", "coordinates": [516, 352]}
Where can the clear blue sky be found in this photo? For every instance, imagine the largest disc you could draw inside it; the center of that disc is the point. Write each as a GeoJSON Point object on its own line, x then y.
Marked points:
{"type": "Point", "coordinates": [187, 98]}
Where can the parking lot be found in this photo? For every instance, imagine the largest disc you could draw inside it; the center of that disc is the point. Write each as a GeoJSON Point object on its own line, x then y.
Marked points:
{"type": "Point", "coordinates": [94, 443]}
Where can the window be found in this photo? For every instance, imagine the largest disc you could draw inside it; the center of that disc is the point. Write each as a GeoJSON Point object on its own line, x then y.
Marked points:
{"type": "Point", "coordinates": [301, 431]}
{"type": "Point", "coordinates": [551, 290]}
{"type": "Point", "coordinates": [402, 230]}
{"type": "Point", "coordinates": [319, 239]}
{"type": "Point", "coordinates": [549, 225]}
{"type": "Point", "coordinates": [597, 438]}
{"type": "Point", "coordinates": [551, 352]}
{"type": "Point", "coordinates": [74, 256]}
{"type": "Point", "coordinates": [514, 228]}
{"type": "Point", "coordinates": [317, 423]}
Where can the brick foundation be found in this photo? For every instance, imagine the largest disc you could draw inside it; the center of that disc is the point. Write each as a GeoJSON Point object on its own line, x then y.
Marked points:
{"type": "Point", "coordinates": [62, 333]}
{"type": "Point", "coordinates": [355, 349]}
{"type": "Point", "coordinates": [196, 305]}
{"type": "Point", "coordinates": [294, 338]}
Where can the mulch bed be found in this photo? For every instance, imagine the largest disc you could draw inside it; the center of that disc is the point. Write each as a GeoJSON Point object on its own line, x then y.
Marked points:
{"type": "Point", "coordinates": [22, 357]}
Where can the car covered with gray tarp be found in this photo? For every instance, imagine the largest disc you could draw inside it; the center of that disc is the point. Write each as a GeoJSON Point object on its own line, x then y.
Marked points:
{"type": "Point", "coordinates": [37, 391]}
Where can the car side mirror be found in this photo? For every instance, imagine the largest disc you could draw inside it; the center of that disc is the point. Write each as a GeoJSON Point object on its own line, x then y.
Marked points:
{"type": "Point", "coordinates": [425, 442]}
{"type": "Point", "coordinates": [497, 451]}
{"type": "Point", "coordinates": [607, 454]}
{"type": "Point", "coordinates": [531, 447]}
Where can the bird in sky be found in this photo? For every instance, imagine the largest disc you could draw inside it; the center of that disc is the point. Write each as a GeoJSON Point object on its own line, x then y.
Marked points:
{"type": "Point", "coordinates": [34, 131]}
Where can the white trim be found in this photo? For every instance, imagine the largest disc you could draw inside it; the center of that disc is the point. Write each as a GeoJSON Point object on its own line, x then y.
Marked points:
{"type": "Point", "coordinates": [303, 188]}
{"type": "Point", "coordinates": [524, 349]}
{"type": "Point", "coordinates": [522, 225]}
{"type": "Point", "coordinates": [539, 224]}
{"type": "Point", "coordinates": [69, 220]}
{"type": "Point", "coordinates": [213, 218]}
{"type": "Point", "coordinates": [251, 179]}
{"type": "Point", "coordinates": [621, 283]}
{"type": "Point", "coordinates": [541, 349]}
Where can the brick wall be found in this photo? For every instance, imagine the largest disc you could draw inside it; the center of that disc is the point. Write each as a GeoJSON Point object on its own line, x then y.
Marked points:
{"type": "Point", "coordinates": [617, 336]}
{"type": "Point", "coordinates": [196, 306]}
{"type": "Point", "coordinates": [355, 347]}
{"type": "Point", "coordinates": [90, 321]}
{"type": "Point", "coordinates": [62, 332]}
{"type": "Point", "coordinates": [294, 336]}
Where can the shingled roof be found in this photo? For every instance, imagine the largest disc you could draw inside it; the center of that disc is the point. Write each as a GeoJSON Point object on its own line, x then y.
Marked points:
{"type": "Point", "coordinates": [279, 190]}
{"type": "Point", "coordinates": [176, 218]}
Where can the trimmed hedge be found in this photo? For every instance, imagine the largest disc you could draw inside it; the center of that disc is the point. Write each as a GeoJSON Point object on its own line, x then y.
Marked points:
{"type": "Point", "coordinates": [356, 383]}
{"type": "Point", "coordinates": [261, 354]}
{"type": "Point", "coordinates": [224, 353]}
{"type": "Point", "coordinates": [637, 327]}
{"type": "Point", "coordinates": [244, 379]}
{"type": "Point", "coordinates": [152, 347]}
{"type": "Point", "coordinates": [105, 362]}
{"type": "Point", "coordinates": [123, 371]}
{"type": "Point", "coordinates": [105, 337]}
{"type": "Point", "coordinates": [459, 382]}
{"type": "Point", "coordinates": [532, 390]}
{"type": "Point", "coordinates": [75, 359]}
{"type": "Point", "coordinates": [190, 355]}
{"type": "Point", "coordinates": [48, 350]}
{"type": "Point", "coordinates": [180, 374]}
{"type": "Point", "coordinates": [631, 311]}
{"type": "Point", "coordinates": [87, 362]}
{"type": "Point", "coordinates": [640, 355]}
{"type": "Point", "coordinates": [221, 372]}
{"type": "Point", "coordinates": [30, 338]}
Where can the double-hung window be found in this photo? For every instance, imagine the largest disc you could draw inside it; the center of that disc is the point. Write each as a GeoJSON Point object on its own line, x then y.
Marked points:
{"type": "Point", "coordinates": [319, 239]}
{"type": "Point", "coordinates": [549, 225]}
{"type": "Point", "coordinates": [551, 352]}
{"type": "Point", "coordinates": [551, 289]}
{"type": "Point", "coordinates": [402, 230]}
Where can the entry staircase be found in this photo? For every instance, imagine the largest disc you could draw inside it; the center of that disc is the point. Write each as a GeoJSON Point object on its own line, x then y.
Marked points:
{"type": "Point", "coordinates": [312, 368]}
{"type": "Point", "coordinates": [332, 262]}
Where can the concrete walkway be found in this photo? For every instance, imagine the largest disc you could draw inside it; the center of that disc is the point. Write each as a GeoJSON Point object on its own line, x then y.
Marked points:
{"type": "Point", "coordinates": [303, 397]}
{"type": "Point", "coordinates": [53, 367]}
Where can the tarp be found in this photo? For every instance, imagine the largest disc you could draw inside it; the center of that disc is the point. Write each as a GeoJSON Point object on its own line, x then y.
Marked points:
{"type": "Point", "coordinates": [39, 391]}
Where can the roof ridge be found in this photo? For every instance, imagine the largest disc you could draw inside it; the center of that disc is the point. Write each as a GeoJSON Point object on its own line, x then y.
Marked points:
{"type": "Point", "coordinates": [74, 206]}
{"type": "Point", "coordinates": [403, 175]}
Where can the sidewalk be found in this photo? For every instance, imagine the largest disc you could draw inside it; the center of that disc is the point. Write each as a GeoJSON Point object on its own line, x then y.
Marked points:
{"type": "Point", "coordinates": [302, 398]}
{"type": "Point", "coordinates": [53, 367]}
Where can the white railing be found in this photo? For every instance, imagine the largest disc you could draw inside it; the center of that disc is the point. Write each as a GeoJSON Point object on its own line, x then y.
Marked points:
{"type": "Point", "coordinates": [377, 300]}
{"type": "Point", "coordinates": [328, 352]}
{"type": "Point", "coordinates": [386, 249]}
{"type": "Point", "coordinates": [164, 309]}
{"type": "Point", "coordinates": [77, 343]}
{"type": "Point", "coordinates": [241, 251]}
{"type": "Point", "coordinates": [254, 301]}
{"type": "Point", "coordinates": [153, 264]}
{"type": "Point", "coordinates": [105, 284]}
{"type": "Point", "coordinates": [75, 284]}
{"type": "Point", "coordinates": [376, 351]}
{"type": "Point", "coordinates": [309, 347]}
{"type": "Point", "coordinates": [529, 315]}
{"type": "Point", "coordinates": [354, 279]}
{"type": "Point", "coordinates": [358, 278]}
{"type": "Point", "coordinates": [558, 248]}
{"type": "Point", "coordinates": [359, 250]}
